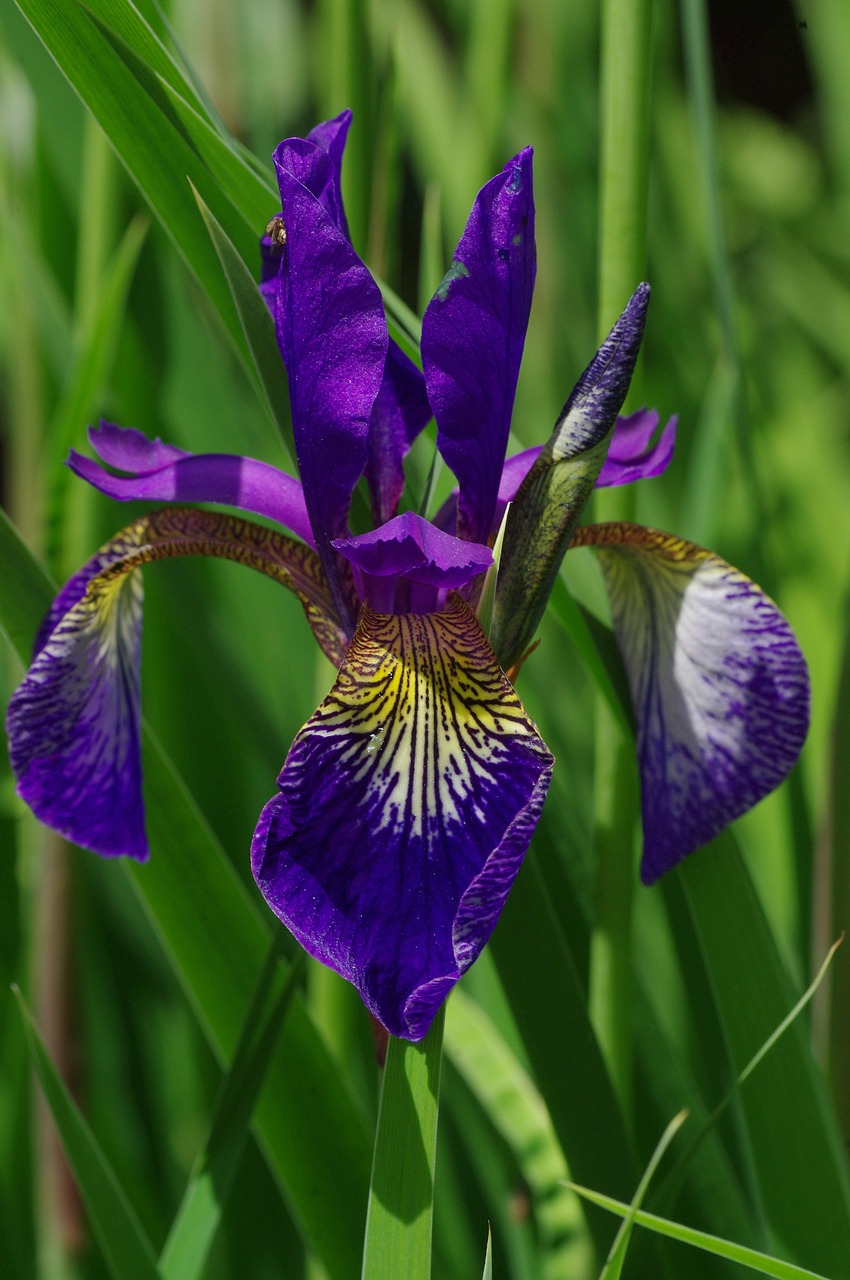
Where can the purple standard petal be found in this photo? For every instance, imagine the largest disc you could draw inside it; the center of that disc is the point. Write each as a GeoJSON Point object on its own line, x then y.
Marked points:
{"type": "Point", "coordinates": [333, 337]}
{"type": "Point", "coordinates": [330, 138]}
{"type": "Point", "coordinates": [406, 805]}
{"type": "Point", "coordinates": [184, 477]}
{"type": "Point", "coordinates": [472, 339]}
{"type": "Point", "coordinates": [632, 455]}
{"type": "Point", "coordinates": [719, 685]}
{"type": "Point", "coordinates": [410, 552]}
{"type": "Point", "coordinates": [398, 415]}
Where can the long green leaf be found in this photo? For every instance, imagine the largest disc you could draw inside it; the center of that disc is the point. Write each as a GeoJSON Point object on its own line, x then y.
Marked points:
{"type": "Point", "coordinates": [200, 1213]}
{"type": "Point", "coordinates": [398, 1225]}
{"type": "Point", "coordinates": [258, 327]}
{"type": "Point", "coordinates": [801, 1167]}
{"type": "Point", "coordinates": [613, 1268]}
{"type": "Point", "coordinates": [702, 1240]}
{"type": "Point", "coordinates": [314, 1136]}
{"type": "Point", "coordinates": [127, 1251]}
{"type": "Point", "coordinates": [155, 152]}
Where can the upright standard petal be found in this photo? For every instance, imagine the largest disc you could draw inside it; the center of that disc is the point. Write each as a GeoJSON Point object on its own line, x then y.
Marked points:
{"type": "Point", "coordinates": [161, 473]}
{"type": "Point", "coordinates": [553, 494]}
{"type": "Point", "coordinates": [406, 805]}
{"type": "Point", "coordinates": [399, 413]}
{"type": "Point", "coordinates": [74, 723]}
{"type": "Point", "coordinates": [719, 685]}
{"type": "Point", "coordinates": [333, 337]}
{"type": "Point", "coordinates": [473, 334]}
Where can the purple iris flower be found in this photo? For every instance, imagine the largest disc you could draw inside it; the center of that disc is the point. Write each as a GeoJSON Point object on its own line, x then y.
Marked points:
{"type": "Point", "coordinates": [406, 803]}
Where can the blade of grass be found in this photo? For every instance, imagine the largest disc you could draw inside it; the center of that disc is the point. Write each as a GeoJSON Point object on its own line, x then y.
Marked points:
{"type": "Point", "coordinates": [801, 1167]}
{"type": "Point", "coordinates": [702, 1240]}
{"type": "Point", "coordinates": [198, 1218]}
{"type": "Point", "coordinates": [157, 155]}
{"type": "Point", "coordinates": [791, 1016]}
{"type": "Point", "coordinates": [613, 1268]}
{"type": "Point", "coordinates": [97, 349]}
{"type": "Point", "coordinates": [401, 1195]}
{"type": "Point", "coordinates": [515, 1108]}
{"type": "Point", "coordinates": [127, 1251]}
{"type": "Point", "coordinates": [258, 327]}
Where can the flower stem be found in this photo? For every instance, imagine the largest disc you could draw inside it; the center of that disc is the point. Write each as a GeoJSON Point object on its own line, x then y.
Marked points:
{"type": "Point", "coordinates": [625, 98]}
{"type": "Point", "coordinates": [401, 1195]}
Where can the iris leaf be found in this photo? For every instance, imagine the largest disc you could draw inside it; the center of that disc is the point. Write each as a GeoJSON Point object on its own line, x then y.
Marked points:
{"type": "Point", "coordinates": [258, 327]}
{"type": "Point", "coordinates": [198, 1218]}
{"type": "Point", "coordinates": [801, 1169]}
{"type": "Point", "coordinates": [127, 1251]}
{"type": "Point", "coordinates": [506, 1093]}
{"type": "Point", "coordinates": [398, 1225]}
{"type": "Point", "coordinates": [155, 152]}
{"type": "Point", "coordinates": [614, 1263]}
{"type": "Point", "coordinates": [701, 1240]}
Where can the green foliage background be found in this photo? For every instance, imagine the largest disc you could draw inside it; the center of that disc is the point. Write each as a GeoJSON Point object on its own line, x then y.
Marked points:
{"type": "Point", "coordinates": [114, 303]}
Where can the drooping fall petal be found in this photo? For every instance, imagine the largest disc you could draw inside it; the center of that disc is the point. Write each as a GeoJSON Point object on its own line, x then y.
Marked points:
{"type": "Point", "coordinates": [719, 685]}
{"type": "Point", "coordinates": [74, 723]}
{"type": "Point", "coordinates": [406, 805]}
{"type": "Point", "coordinates": [473, 334]}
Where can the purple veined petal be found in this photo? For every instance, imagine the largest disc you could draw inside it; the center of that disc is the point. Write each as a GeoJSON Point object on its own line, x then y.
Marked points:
{"type": "Point", "coordinates": [632, 455]}
{"type": "Point", "coordinates": [399, 413]}
{"type": "Point", "coordinates": [406, 805]}
{"type": "Point", "coordinates": [221, 478]}
{"type": "Point", "coordinates": [473, 334]}
{"type": "Point", "coordinates": [409, 550]}
{"type": "Point", "coordinates": [719, 685]}
{"type": "Point", "coordinates": [333, 337]}
{"type": "Point", "coordinates": [74, 723]}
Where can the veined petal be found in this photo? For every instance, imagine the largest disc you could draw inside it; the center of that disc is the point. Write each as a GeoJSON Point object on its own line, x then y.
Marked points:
{"type": "Point", "coordinates": [406, 805]}
{"type": "Point", "coordinates": [632, 454]}
{"type": "Point", "coordinates": [553, 494]}
{"type": "Point", "coordinates": [178, 476]}
{"type": "Point", "coordinates": [333, 337]}
{"type": "Point", "coordinates": [719, 685]}
{"type": "Point", "coordinates": [473, 334]}
{"type": "Point", "coordinates": [74, 723]}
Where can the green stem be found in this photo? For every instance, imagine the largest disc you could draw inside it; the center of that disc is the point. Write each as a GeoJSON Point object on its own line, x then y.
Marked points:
{"type": "Point", "coordinates": [401, 1195]}
{"type": "Point", "coordinates": [625, 97]}
{"type": "Point", "coordinates": [624, 168]}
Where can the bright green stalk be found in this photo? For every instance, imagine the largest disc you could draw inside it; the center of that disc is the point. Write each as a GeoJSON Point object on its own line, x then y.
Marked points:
{"type": "Point", "coordinates": [401, 1196]}
{"type": "Point", "coordinates": [626, 31]}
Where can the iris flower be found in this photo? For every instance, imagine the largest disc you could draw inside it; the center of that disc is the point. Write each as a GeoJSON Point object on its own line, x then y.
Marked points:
{"type": "Point", "coordinates": [407, 801]}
